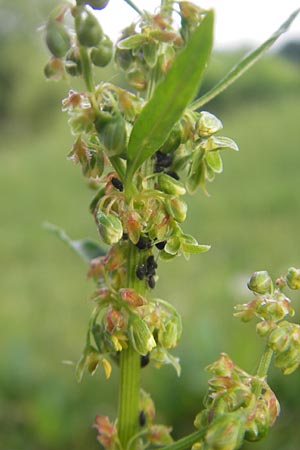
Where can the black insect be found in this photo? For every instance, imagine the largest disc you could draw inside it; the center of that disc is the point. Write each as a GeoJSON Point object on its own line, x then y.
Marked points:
{"type": "Point", "coordinates": [125, 236]}
{"type": "Point", "coordinates": [145, 359]}
{"type": "Point", "coordinates": [141, 271]}
{"type": "Point", "coordinates": [161, 245]}
{"type": "Point", "coordinates": [143, 243]}
{"type": "Point", "coordinates": [117, 184]}
{"type": "Point", "coordinates": [172, 174]}
{"type": "Point", "coordinates": [151, 282]}
{"type": "Point", "coordinates": [151, 265]}
{"type": "Point", "coordinates": [162, 161]}
{"type": "Point", "coordinates": [142, 418]}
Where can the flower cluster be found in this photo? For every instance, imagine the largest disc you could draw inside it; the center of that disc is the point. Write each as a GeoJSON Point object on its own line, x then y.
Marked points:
{"type": "Point", "coordinates": [235, 410]}
{"type": "Point", "coordinates": [271, 306]}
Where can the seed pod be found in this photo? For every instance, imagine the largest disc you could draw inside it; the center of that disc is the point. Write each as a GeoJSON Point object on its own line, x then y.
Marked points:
{"type": "Point", "coordinates": [110, 227]}
{"type": "Point", "coordinates": [173, 140]}
{"type": "Point", "coordinates": [102, 54]}
{"type": "Point", "coordinates": [97, 4]}
{"type": "Point", "coordinates": [57, 38]}
{"type": "Point", "coordinates": [112, 134]}
{"type": "Point", "coordinates": [88, 29]}
{"type": "Point", "coordinates": [260, 283]}
{"type": "Point", "coordinates": [140, 336]}
{"type": "Point", "coordinates": [293, 278]}
{"type": "Point", "coordinates": [168, 185]}
{"type": "Point", "coordinates": [178, 209]}
{"type": "Point", "coordinates": [169, 335]}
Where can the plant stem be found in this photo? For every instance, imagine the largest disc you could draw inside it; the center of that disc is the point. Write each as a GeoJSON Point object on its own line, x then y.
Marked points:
{"type": "Point", "coordinates": [86, 68]}
{"type": "Point", "coordinates": [133, 6]}
{"type": "Point", "coordinates": [129, 385]}
{"type": "Point", "coordinates": [187, 441]}
{"type": "Point", "coordinates": [262, 370]}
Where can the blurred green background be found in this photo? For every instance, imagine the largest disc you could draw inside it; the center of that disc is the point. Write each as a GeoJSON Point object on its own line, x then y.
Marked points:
{"type": "Point", "coordinates": [252, 220]}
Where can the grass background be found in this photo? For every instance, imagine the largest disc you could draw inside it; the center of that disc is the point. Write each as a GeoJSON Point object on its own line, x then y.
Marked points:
{"type": "Point", "coordinates": [251, 220]}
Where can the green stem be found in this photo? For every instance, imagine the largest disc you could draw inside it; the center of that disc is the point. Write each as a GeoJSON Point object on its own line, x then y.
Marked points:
{"type": "Point", "coordinates": [133, 6]}
{"type": "Point", "coordinates": [262, 370]}
{"type": "Point", "coordinates": [86, 69]}
{"type": "Point", "coordinates": [129, 386]}
{"type": "Point", "coordinates": [187, 441]}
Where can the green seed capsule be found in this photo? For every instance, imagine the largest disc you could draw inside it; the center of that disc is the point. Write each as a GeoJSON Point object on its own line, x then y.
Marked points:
{"type": "Point", "coordinates": [88, 29]}
{"type": "Point", "coordinates": [170, 185]}
{"type": "Point", "coordinates": [173, 140]}
{"type": "Point", "coordinates": [140, 336]}
{"type": "Point", "coordinates": [293, 278]}
{"type": "Point", "coordinates": [98, 4]}
{"type": "Point", "coordinates": [110, 227]}
{"type": "Point", "coordinates": [102, 54]}
{"type": "Point", "coordinates": [261, 283]}
{"type": "Point", "coordinates": [112, 134]}
{"type": "Point", "coordinates": [57, 38]}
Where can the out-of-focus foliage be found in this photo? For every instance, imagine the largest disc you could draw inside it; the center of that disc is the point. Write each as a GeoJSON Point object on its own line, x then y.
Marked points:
{"type": "Point", "coordinates": [252, 221]}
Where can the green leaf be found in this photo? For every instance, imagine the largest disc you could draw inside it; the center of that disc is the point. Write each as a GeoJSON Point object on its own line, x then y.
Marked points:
{"type": "Point", "coordinates": [85, 248]}
{"type": "Point", "coordinates": [241, 67]}
{"type": "Point", "coordinates": [170, 98]}
{"type": "Point", "coordinates": [214, 161]}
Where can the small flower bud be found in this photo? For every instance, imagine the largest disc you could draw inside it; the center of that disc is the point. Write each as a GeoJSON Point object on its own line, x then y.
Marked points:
{"type": "Point", "coordinates": [110, 227]}
{"type": "Point", "coordinates": [159, 435]}
{"type": "Point", "coordinates": [293, 278]}
{"type": "Point", "coordinates": [132, 297]}
{"type": "Point", "coordinates": [226, 434]}
{"type": "Point", "coordinates": [140, 336]}
{"type": "Point", "coordinates": [102, 54]}
{"type": "Point", "coordinates": [57, 38]}
{"type": "Point", "coordinates": [88, 29]}
{"type": "Point", "coordinates": [208, 124]}
{"type": "Point", "coordinates": [54, 69]}
{"type": "Point", "coordinates": [168, 185]}
{"type": "Point", "coordinates": [260, 283]}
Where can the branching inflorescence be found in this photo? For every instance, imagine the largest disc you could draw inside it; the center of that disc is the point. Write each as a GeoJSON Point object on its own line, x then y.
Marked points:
{"type": "Point", "coordinates": [142, 149]}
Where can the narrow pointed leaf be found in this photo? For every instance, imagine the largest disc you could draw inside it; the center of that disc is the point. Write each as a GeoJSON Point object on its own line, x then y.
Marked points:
{"type": "Point", "coordinates": [85, 248]}
{"type": "Point", "coordinates": [241, 67]}
{"type": "Point", "coordinates": [171, 97]}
